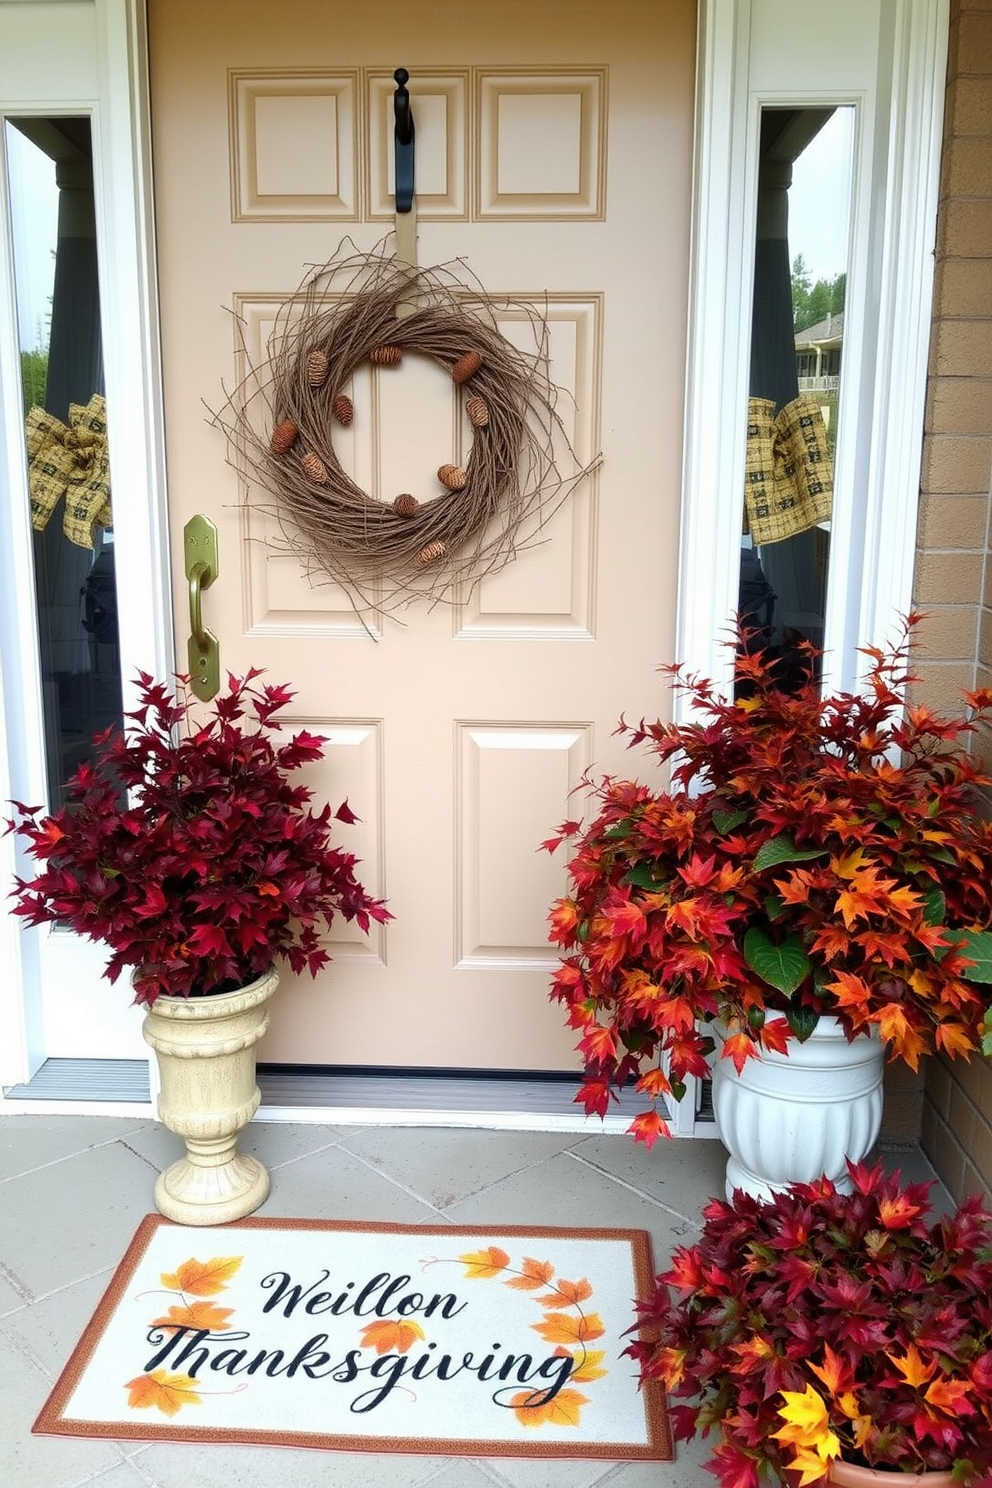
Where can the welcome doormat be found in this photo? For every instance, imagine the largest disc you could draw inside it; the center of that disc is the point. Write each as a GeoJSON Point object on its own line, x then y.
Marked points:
{"type": "Point", "coordinates": [369, 1337]}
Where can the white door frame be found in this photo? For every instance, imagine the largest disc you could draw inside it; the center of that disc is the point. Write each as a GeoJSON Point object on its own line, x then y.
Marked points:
{"type": "Point", "coordinates": [95, 65]}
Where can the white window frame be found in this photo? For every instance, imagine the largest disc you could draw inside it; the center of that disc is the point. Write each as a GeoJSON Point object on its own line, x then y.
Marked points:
{"type": "Point", "coordinates": [888, 58]}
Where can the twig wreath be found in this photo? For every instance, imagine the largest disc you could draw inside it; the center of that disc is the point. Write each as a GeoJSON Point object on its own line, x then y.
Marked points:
{"type": "Point", "coordinates": [388, 549]}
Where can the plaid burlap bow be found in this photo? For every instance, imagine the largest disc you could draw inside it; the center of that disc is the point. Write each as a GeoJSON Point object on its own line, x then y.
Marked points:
{"type": "Point", "coordinates": [70, 461]}
{"type": "Point", "coordinates": [788, 474]}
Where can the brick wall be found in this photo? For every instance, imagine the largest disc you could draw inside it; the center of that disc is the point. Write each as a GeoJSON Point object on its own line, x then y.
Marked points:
{"type": "Point", "coordinates": [954, 562]}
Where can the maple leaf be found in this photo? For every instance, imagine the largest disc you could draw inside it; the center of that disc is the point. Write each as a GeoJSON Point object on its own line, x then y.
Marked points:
{"type": "Point", "coordinates": [775, 1035]}
{"type": "Point", "coordinates": [950, 1396]}
{"type": "Point", "coordinates": [807, 1429]}
{"type": "Point", "coordinates": [740, 1049]}
{"type": "Point", "coordinates": [166, 1392]}
{"type": "Point", "coordinates": [534, 1274]}
{"type": "Point", "coordinates": [599, 1045]}
{"type": "Point", "coordinates": [482, 1264]}
{"type": "Point", "coordinates": [563, 1410]}
{"type": "Point", "coordinates": [896, 1030]}
{"type": "Point", "coordinates": [566, 1294]}
{"type": "Point", "coordinates": [624, 918]}
{"type": "Point", "coordinates": [954, 1038]}
{"type": "Point", "coordinates": [911, 1366]}
{"type": "Point", "coordinates": [648, 1127]}
{"type": "Point", "coordinates": [196, 1315]}
{"type": "Point", "coordinates": [391, 1335]}
{"type": "Point", "coordinates": [209, 940]}
{"type": "Point", "coordinates": [587, 1368]}
{"type": "Point", "coordinates": [898, 1212]}
{"type": "Point", "coordinates": [562, 1327]}
{"type": "Point", "coordinates": [810, 1465]}
{"type": "Point", "coordinates": [202, 1278]}
{"type": "Point", "coordinates": [835, 1372]}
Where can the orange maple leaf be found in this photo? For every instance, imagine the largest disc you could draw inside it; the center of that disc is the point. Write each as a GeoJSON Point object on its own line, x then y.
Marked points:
{"type": "Point", "coordinates": [482, 1264]}
{"type": "Point", "coordinates": [955, 1039]}
{"type": "Point", "coordinates": [835, 1372]}
{"type": "Point", "coordinates": [911, 1366]}
{"type": "Point", "coordinates": [950, 1396]}
{"type": "Point", "coordinates": [899, 1212]}
{"type": "Point", "coordinates": [534, 1274]}
{"type": "Point", "coordinates": [196, 1315]}
{"type": "Point", "coordinates": [202, 1278]}
{"type": "Point", "coordinates": [166, 1392]}
{"type": "Point", "coordinates": [562, 1327]}
{"type": "Point", "coordinates": [566, 1294]}
{"type": "Point", "coordinates": [563, 1410]}
{"type": "Point", "coordinates": [896, 1030]}
{"type": "Point", "coordinates": [648, 1127]}
{"type": "Point", "coordinates": [740, 1049]}
{"type": "Point", "coordinates": [775, 1036]}
{"type": "Point", "coordinates": [587, 1368]}
{"type": "Point", "coordinates": [390, 1335]}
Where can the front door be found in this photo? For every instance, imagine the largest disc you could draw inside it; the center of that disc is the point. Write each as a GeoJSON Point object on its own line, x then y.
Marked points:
{"type": "Point", "coordinates": [553, 156]}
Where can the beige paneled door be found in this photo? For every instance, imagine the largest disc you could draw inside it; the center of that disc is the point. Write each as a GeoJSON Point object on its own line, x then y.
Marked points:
{"type": "Point", "coordinates": [553, 156]}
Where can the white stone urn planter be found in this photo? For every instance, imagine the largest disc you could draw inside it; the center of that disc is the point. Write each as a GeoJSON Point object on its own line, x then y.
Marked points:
{"type": "Point", "coordinates": [205, 1047]}
{"type": "Point", "coordinates": [796, 1117]}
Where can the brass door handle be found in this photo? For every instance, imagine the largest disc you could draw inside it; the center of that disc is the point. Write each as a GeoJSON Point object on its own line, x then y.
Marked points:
{"type": "Point", "coordinates": [201, 576]}
{"type": "Point", "coordinates": [203, 648]}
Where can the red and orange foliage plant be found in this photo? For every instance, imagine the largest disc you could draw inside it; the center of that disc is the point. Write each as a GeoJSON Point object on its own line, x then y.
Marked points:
{"type": "Point", "coordinates": [814, 855]}
{"type": "Point", "coordinates": [188, 851]}
{"type": "Point", "coordinates": [819, 1325]}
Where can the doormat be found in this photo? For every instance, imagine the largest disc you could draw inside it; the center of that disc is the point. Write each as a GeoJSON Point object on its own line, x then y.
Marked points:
{"type": "Point", "coordinates": [369, 1337]}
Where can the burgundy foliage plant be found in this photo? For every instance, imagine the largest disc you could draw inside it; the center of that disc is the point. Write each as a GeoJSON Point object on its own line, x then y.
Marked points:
{"type": "Point", "coordinates": [186, 848]}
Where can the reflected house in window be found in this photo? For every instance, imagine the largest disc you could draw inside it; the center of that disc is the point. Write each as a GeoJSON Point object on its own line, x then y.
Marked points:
{"type": "Point", "coordinates": [818, 353]}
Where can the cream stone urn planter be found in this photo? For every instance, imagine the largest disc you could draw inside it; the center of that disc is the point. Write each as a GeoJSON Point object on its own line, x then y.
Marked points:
{"type": "Point", "coordinates": [791, 1118]}
{"type": "Point", "coordinates": [205, 1047]}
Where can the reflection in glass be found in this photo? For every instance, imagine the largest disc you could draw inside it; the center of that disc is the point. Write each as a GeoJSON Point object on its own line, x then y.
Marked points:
{"type": "Point", "coordinates": [50, 171]}
{"type": "Point", "coordinates": [797, 330]}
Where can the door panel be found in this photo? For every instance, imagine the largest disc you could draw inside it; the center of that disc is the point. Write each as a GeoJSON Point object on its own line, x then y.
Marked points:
{"type": "Point", "coordinates": [553, 156]}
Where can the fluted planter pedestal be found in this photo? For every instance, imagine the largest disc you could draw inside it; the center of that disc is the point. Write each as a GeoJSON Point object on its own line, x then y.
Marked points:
{"type": "Point", "coordinates": [205, 1047]}
{"type": "Point", "coordinates": [791, 1118]}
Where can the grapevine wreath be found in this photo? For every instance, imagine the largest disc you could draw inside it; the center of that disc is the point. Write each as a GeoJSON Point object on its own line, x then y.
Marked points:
{"type": "Point", "coordinates": [387, 549]}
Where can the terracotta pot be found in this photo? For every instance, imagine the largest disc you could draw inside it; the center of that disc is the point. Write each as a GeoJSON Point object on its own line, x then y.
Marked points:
{"type": "Point", "coordinates": [848, 1475]}
{"type": "Point", "coordinates": [205, 1047]}
{"type": "Point", "coordinates": [791, 1118]}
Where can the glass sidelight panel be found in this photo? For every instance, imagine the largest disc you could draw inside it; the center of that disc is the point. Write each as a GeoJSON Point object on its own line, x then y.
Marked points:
{"type": "Point", "coordinates": [50, 171]}
{"type": "Point", "coordinates": [797, 341]}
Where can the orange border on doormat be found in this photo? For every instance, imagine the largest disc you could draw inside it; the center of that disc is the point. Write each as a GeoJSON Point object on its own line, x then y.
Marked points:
{"type": "Point", "coordinates": [50, 1422]}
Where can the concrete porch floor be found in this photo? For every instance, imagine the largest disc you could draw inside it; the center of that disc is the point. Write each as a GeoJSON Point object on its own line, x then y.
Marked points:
{"type": "Point", "coordinates": [73, 1188]}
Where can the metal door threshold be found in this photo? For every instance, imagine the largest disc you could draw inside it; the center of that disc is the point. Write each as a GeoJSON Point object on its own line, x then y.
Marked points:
{"type": "Point", "coordinates": [437, 1093]}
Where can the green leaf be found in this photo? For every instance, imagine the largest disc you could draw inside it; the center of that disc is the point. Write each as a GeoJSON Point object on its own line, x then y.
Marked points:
{"type": "Point", "coordinates": [977, 946]}
{"type": "Point", "coordinates": [782, 849]}
{"type": "Point", "coordinates": [802, 1021]}
{"type": "Point", "coordinates": [987, 1045]}
{"type": "Point", "coordinates": [934, 907]}
{"type": "Point", "coordinates": [784, 966]}
{"type": "Point", "coordinates": [618, 832]}
{"type": "Point", "coordinates": [726, 821]}
{"type": "Point", "coordinates": [641, 876]}
{"type": "Point", "coordinates": [678, 1089]}
{"type": "Point", "coordinates": [774, 906]}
